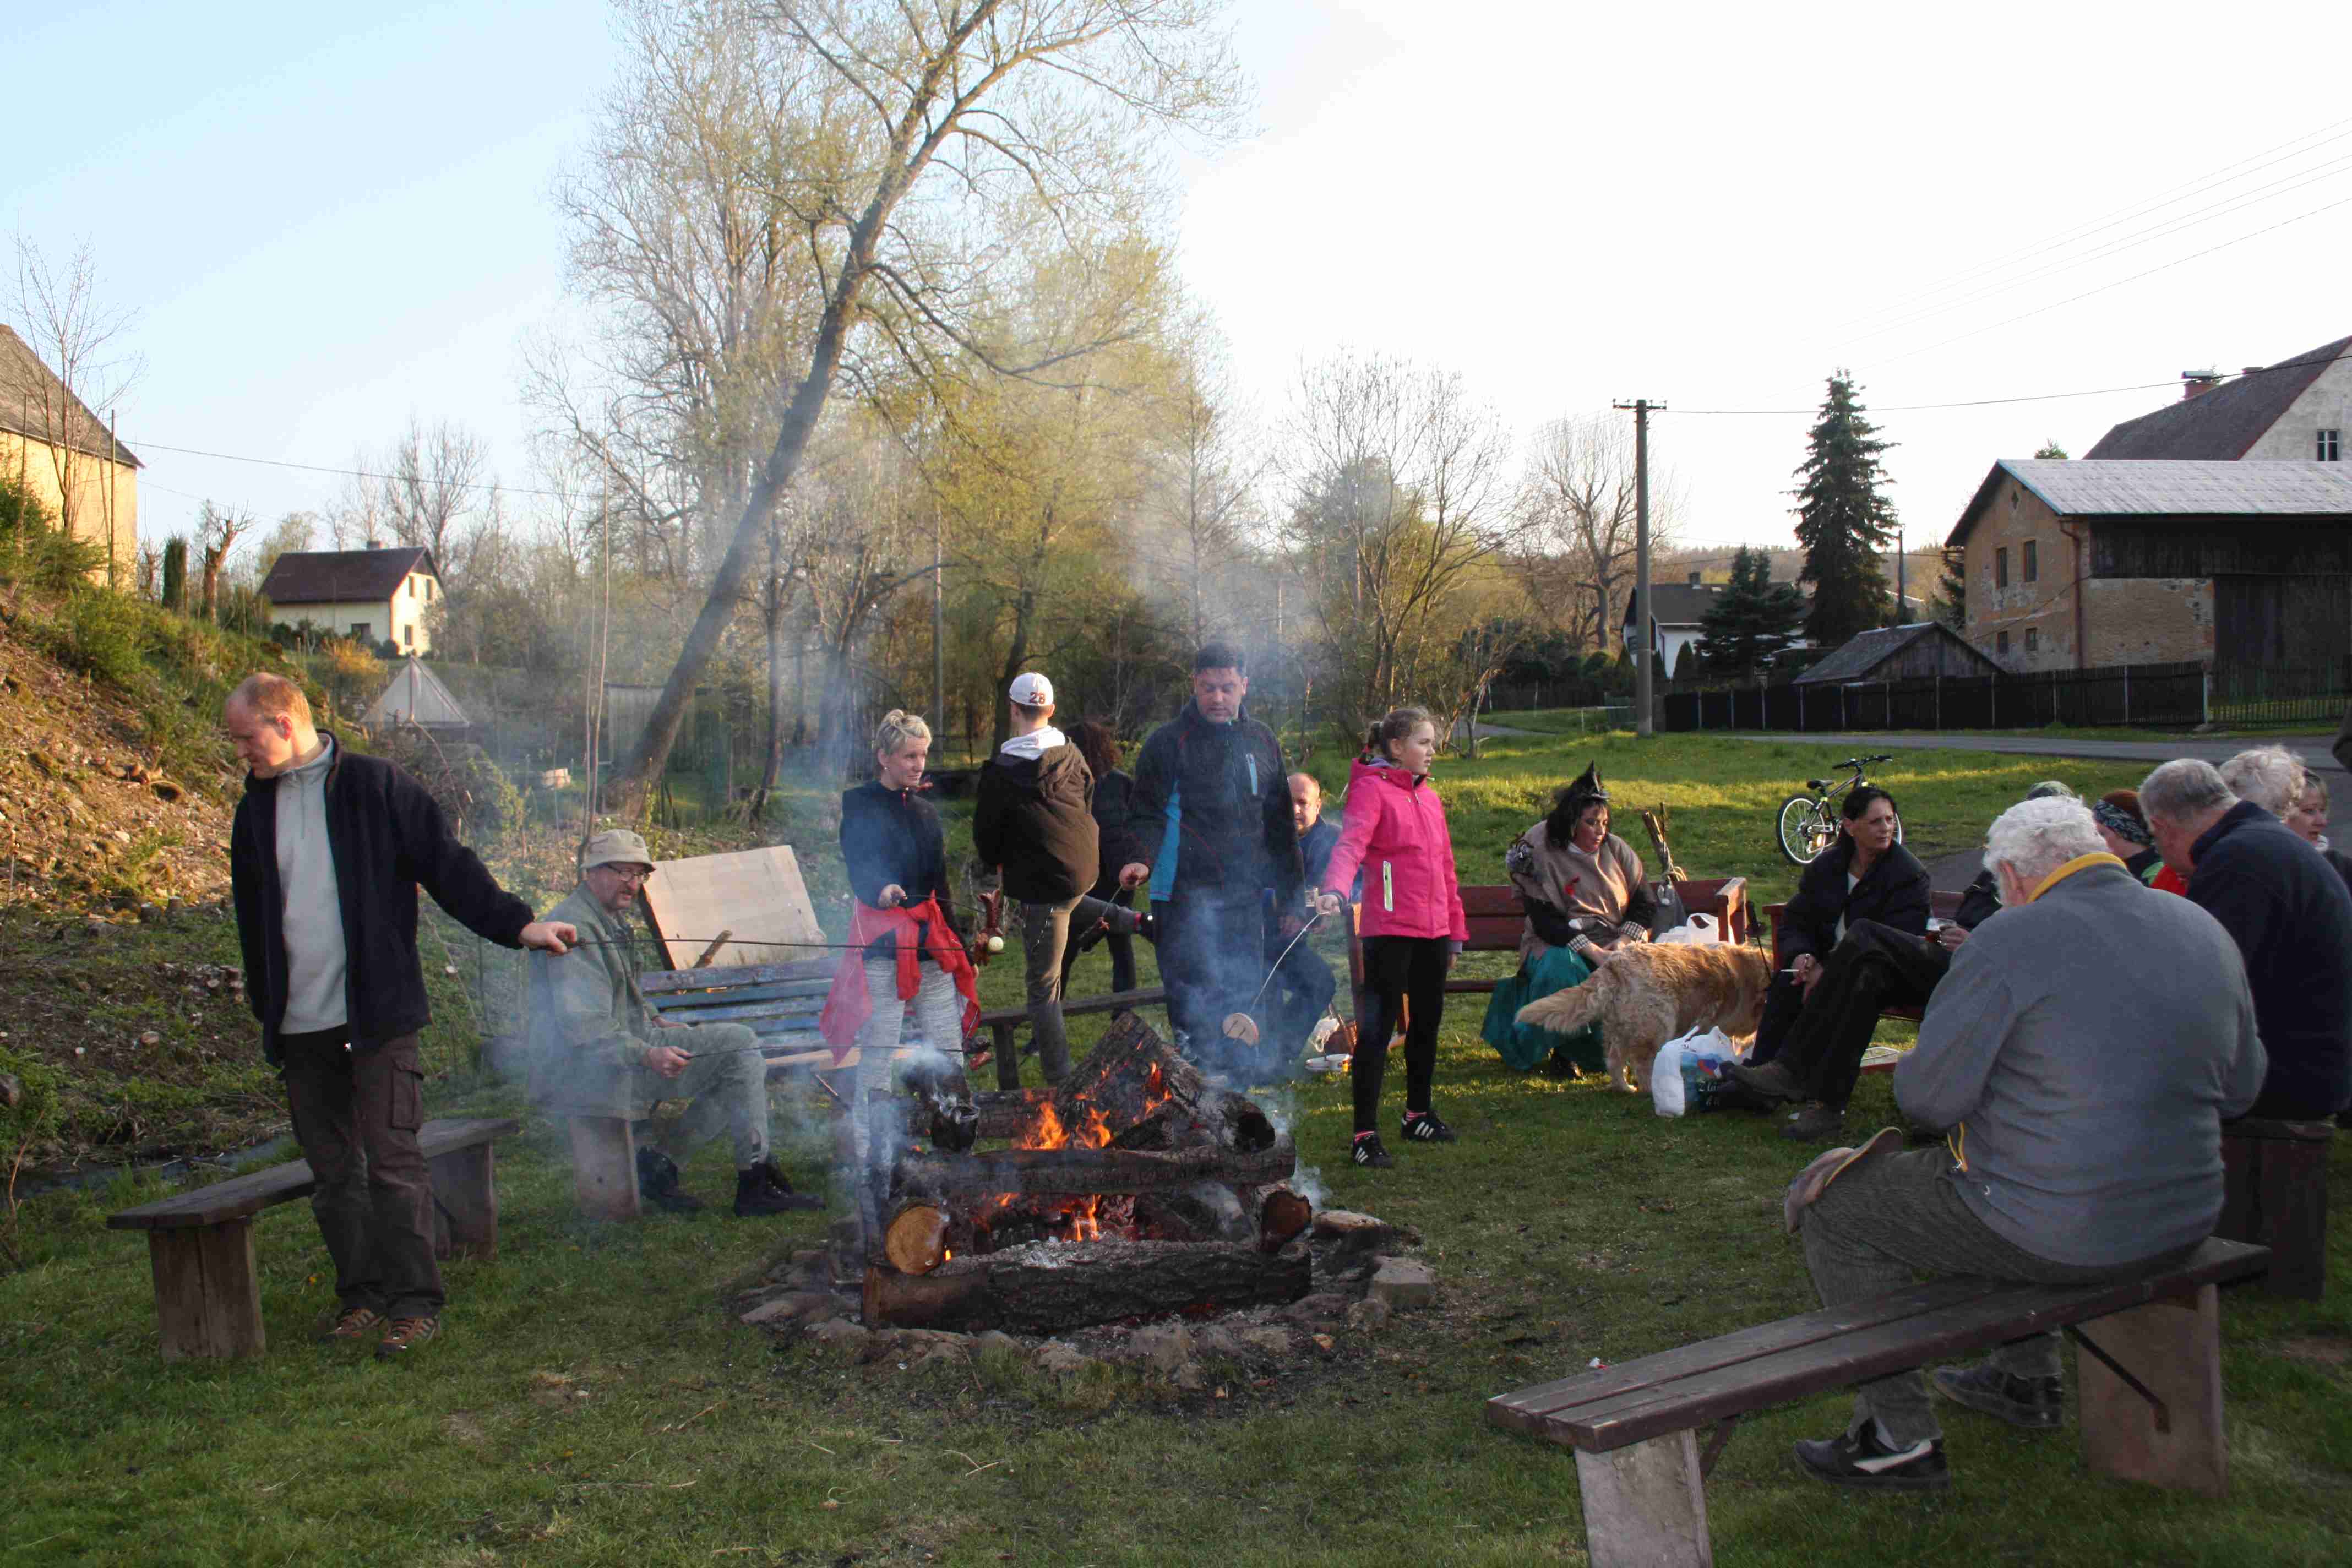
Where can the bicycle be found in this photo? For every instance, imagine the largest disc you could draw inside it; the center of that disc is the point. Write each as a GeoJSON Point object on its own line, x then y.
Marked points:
{"type": "Point", "coordinates": [1808, 823]}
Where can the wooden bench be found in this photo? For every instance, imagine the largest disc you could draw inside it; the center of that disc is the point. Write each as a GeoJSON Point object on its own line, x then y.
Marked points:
{"type": "Point", "coordinates": [1940, 906]}
{"type": "Point", "coordinates": [2150, 1390]}
{"type": "Point", "coordinates": [2275, 1195]}
{"type": "Point", "coordinates": [200, 1242]}
{"type": "Point", "coordinates": [1495, 920]}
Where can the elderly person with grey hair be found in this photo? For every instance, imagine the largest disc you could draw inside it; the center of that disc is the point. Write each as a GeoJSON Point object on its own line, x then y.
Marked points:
{"type": "Point", "coordinates": [2081, 1056]}
{"type": "Point", "coordinates": [2290, 915]}
{"type": "Point", "coordinates": [2270, 776]}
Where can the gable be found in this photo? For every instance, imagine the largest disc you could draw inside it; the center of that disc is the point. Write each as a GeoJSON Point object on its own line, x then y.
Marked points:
{"type": "Point", "coordinates": [35, 404]}
{"type": "Point", "coordinates": [343, 576]}
{"type": "Point", "coordinates": [2222, 424]}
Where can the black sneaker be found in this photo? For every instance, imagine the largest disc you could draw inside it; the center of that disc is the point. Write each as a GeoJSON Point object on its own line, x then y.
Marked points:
{"type": "Point", "coordinates": [1848, 1460]}
{"type": "Point", "coordinates": [1426, 1128]}
{"type": "Point", "coordinates": [657, 1184]}
{"type": "Point", "coordinates": [2036, 1404]}
{"type": "Point", "coordinates": [756, 1197]}
{"type": "Point", "coordinates": [1814, 1122]}
{"type": "Point", "coordinates": [1770, 1080]}
{"type": "Point", "coordinates": [1368, 1151]}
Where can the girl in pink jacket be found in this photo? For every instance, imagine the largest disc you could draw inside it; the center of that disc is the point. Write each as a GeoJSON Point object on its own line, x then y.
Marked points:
{"type": "Point", "coordinates": [1409, 919]}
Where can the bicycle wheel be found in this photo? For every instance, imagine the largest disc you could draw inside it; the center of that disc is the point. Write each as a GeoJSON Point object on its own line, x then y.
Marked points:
{"type": "Point", "coordinates": [1805, 830]}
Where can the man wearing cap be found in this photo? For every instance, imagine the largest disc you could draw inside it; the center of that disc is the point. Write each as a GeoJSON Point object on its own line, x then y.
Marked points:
{"type": "Point", "coordinates": [326, 853]}
{"type": "Point", "coordinates": [1034, 817]}
{"type": "Point", "coordinates": [601, 1050]}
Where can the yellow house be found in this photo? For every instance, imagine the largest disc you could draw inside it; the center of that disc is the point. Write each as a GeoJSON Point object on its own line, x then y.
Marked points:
{"type": "Point", "coordinates": [52, 443]}
{"type": "Point", "coordinates": [373, 594]}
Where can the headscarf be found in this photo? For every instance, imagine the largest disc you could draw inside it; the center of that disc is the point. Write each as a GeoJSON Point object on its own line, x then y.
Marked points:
{"type": "Point", "coordinates": [2117, 811]}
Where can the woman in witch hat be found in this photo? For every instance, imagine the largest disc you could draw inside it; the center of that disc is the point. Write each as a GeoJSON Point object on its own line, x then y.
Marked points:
{"type": "Point", "coordinates": [1584, 894]}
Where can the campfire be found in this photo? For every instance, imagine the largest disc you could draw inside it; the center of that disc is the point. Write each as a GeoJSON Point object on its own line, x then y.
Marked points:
{"type": "Point", "coordinates": [1133, 1188]}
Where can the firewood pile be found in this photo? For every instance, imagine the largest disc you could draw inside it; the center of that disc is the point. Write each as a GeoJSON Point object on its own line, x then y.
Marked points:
{"type": "Point", "coordinates": [1134, 1188]}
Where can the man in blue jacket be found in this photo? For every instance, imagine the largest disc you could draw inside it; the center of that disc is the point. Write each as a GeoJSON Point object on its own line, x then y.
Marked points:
{"type": "Point", "coordinates": [2081, 1056]}
{"type": "Point", "coordinates": [1211, 811]}
{"type": "Point", "coordinates": [326, 853]}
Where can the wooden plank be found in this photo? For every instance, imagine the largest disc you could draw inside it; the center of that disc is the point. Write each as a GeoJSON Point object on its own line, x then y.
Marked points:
{"type": "Point", "coordinates": [660, 981]}
{"type": "Point", "coordinates": [716, 1011]}
{"type": "Point", "coordinates": [1079, 1006]}
{"type": "Point", "coordinates": [240, 1197]}
{"type": "Point", "coordinates": [1646, 1506]}
{"type": "Point", "coordinates": [207, 1291]}
{"type": "Point", "coordinates": [1995, 1316]}
{"type": "Point", "coordinates": [2275, 1195]}
{"type": "Point", "coordinates": [1528, 1409]}
{"type": "Point", "coordinates": [756, 894]}
{"type": "Point", "coordinates": [809, 992]}
{"type": "Point", "coordinates": [2174, 1346]}
{"type": "Point", "coordinates": [603, 1167]}
{"type": "Point", "coordinates": [465, 1203]}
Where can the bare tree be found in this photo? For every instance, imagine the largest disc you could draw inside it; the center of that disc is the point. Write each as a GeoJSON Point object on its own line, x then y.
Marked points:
{"type": "Point", "coordinates": [79, 338]}
{"type": "Point", "coordinates": [934, 143]}
{"type": "Point", "coordinates": [1397, 496]}
{"type": "Point", "coordinates": [1578, 500]}
{"type": "Point", "coordinates": [1204, 496]}
{"type": "Point", "coordinates": [217, 531]}
{"type": "Point", "coordinates": [436, 496]}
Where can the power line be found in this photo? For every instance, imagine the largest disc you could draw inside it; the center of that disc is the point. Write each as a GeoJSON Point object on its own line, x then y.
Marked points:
{"type": "Point", "coordinates": [490, 485]}
{"type": "Point", "coordinates": [2033, 397]}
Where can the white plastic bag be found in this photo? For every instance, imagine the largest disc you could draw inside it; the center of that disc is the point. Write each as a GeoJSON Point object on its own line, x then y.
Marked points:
{"type": "Point", "coordinates": [1688, 1071]}
{"type": "Point", "coordinates": [1694, 932]}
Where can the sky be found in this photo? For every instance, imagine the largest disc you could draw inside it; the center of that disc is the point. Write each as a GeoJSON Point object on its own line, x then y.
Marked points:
{"type": "Point", "coordinates": [329, 225]}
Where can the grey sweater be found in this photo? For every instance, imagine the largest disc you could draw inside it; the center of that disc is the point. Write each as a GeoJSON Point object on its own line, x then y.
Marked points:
{"type": "Point", "coordinates": [2083, 1052]}
{"type": "Point", "coordinates": [315, 959]}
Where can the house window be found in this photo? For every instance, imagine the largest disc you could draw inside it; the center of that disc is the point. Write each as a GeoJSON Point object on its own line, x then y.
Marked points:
{"type": "Point", "coordinates": [360, 631]}
{"type": "Point", "coordinates": [428, 590]}
{"type": "Point", "coordinates": [2033, 639]}
{"type": "Point", "coordinates": [409, 635]}
{"type": "Point", "coordinates": [2032, 568]}
{"type": "Point", "coordinates": [412, 587]}
{"type": "Point", "coordinates": [2000, 568]}
{"type": "Point", "coordinates": [2331, 446]}
{"type": "Point", "coordinates": [2001, 645]}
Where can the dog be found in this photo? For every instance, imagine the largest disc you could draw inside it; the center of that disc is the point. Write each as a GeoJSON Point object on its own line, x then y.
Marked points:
{"type": "Point", "coordinates": [1649, 993]}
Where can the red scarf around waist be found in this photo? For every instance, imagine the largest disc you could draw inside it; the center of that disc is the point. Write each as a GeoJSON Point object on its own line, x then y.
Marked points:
{"type": "Point", "coordinates": [920, 929]}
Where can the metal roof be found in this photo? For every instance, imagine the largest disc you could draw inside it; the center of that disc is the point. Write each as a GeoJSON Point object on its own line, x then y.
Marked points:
{"type": "Point", "coordinates": [2107, 487]}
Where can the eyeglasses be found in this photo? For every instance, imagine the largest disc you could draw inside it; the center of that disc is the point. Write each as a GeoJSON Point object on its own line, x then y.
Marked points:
{"type": "Point", "coordinates": [630, 876]}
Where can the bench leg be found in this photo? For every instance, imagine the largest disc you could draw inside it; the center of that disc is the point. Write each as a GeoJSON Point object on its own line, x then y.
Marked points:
{"type": "Point", "coordinates": [2174, 1346]}
{"type": "Point", "coordinates": [466, 1203]}
{"type": "Point", "coordinates": [1645, 1506]}
{"type": "Point", "coordinates": [603, 1167]}
{"type": "Point", "coordinates": [2275, 1195]}
{"type": "Point", "coordinates": [207, 1291]}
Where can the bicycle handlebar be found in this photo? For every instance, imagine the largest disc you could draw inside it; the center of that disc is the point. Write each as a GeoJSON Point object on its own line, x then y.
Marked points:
{"type": "Point", "coordinates": [1858, 763]}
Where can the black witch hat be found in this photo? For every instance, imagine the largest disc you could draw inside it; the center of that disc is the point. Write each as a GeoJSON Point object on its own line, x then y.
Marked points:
{"type": "Point", "coordinates": [1587, 790]}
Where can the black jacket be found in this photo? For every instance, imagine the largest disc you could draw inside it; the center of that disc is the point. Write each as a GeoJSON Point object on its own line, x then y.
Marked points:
{"type": "Point", "coordinates": [1113, 796]}
{"type": "Point", "coordinates": [1980, 900]}
{"type": "Point", "coordinates": [1894, 893]}
{"type": "Point", "coordinates": [1217, 798]}
{"type": "Point", "coordinates": [2291, 919]}
{"type": "Point", "coordinates": [1315, 849]}
{"type": "Point", "coordinates": [387, 836]}
{"type": "Point", "coordinates": [1034, 816]}
{"type": "Point", "coordinates": [893, 836]}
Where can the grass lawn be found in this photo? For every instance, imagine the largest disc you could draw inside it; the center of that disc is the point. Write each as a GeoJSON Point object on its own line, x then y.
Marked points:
{"type": "Point", "coordinates": [589, 1404]}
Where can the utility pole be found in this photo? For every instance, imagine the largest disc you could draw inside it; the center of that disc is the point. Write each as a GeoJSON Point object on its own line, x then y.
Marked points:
{"type": "Point", "coordinates": [1902, 595]}
{"type": "Point", "coordinates": [938, 630]}
{"type": "Point", "coordinates": [1643, 630]}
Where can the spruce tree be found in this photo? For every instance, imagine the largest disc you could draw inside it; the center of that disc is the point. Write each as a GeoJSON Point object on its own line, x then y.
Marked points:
{"type": "Point", "coordinates": [1843, 520]}
{"type": "Point", "coordinates": [1752, 620]}
{"type": "Point", "coordinates": [176, 573]}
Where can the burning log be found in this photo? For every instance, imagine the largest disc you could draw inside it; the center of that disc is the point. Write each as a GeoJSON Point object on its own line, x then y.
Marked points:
{"type": "Point", "coordinates": [1131, 1076]}
{"type": "Point", "coordinates": [1083, 1171]}
{"type": "Point", "coordinates": [916, 1240]}
{"type": "Point", "coordinates": [1043, 1290]}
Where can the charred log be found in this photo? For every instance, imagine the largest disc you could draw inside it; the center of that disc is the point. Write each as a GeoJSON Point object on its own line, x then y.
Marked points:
{"type": "Point", "coordinates": [930, 1177]}
{"type": "Point", "coordinates": [1031, 1291]}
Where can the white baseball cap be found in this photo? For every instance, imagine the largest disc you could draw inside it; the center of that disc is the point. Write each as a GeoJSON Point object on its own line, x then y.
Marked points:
{"type": "Point", "coordinates": [1031, 690]}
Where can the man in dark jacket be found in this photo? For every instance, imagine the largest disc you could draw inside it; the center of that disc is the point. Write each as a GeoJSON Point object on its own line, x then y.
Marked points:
{"type": "Point", "coordinates": [1302, 985]}
{"type": "Point", "coordinates": [1034, 816]}
{"type": "Point", "coordinates": [2290, 918]}
{"type": "Point", "coordinates": [1213, 817]}
{"type": "Point", "coordinates": [1874, 965]}
{"type": "Point", "coordinates": [326, 853]}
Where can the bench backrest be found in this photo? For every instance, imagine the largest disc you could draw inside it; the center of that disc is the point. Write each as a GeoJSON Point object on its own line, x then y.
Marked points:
{"type": "Point", "coordinates": [1941, 906]}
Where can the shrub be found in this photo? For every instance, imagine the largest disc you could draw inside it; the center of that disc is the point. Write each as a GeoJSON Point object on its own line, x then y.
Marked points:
{"type": "Point", "coordinates": [100, 634]}
{"type": "Point", "coordinates": [352, 674]}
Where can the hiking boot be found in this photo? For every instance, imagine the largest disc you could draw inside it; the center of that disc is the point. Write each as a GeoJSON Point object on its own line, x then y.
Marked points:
{"type": "Point", "coordinates": [1367, 1151]}
{"type": "Point", "coordinates": [1770, 1080]}
{"type": "Point", "coordinates": [1425, 1127]}
{"type": "Point", "coordinates": [757, 1196]}
{"type": "Point", "coordinates": [347, 1327]}
{"type": "Point", "coordinates": [2036, 1404]}
{"type": "Point", "coordinates": [405, 1335]}
{"type": "Point", "coordinates": [657, 1184]}
{"type": "Point", "coordinates": [772, 1174]}
{"type": "Point", "coordinates": [1814, 1122]}
{"type": "Point", "coordinates": [1852, 1460]}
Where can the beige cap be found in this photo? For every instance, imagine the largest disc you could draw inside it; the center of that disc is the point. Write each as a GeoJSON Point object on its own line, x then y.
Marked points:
{"type": "Point", "coordinates": [617, 847]}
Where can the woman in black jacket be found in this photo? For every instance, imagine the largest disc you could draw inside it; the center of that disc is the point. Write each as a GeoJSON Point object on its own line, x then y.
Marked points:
{"type": "Point", "coordinates": [1864, 876]}
{"type": "Point", "coordinates": [1113, 791]}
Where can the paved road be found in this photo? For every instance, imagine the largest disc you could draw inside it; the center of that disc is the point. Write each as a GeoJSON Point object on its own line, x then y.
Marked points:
{"type": "Point", "coordinates": [2313, 748]}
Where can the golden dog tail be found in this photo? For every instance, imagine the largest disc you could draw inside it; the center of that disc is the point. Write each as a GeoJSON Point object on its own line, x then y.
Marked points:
{"type": "Point", "coordinates": [1565, 1011]}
